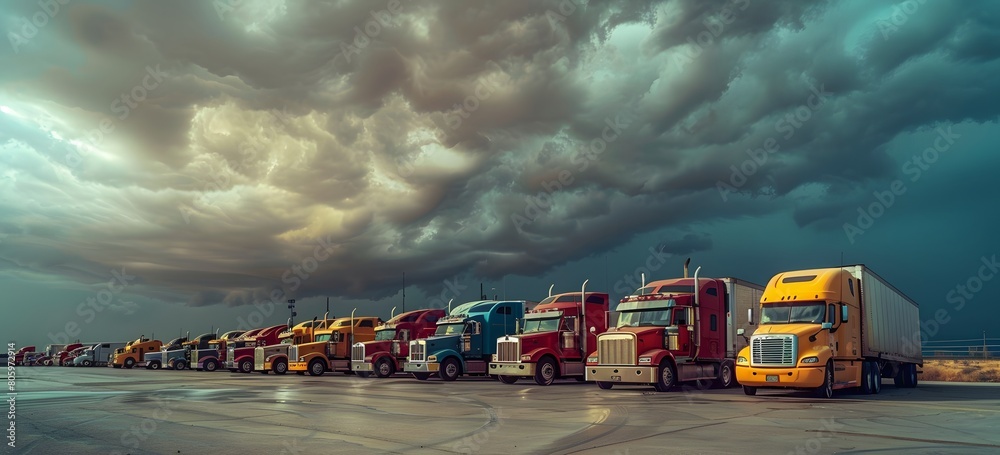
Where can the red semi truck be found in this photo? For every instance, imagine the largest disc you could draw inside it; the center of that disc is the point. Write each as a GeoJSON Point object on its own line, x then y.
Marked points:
{"type": "Point", "coordinates": [385, 355]}
{"type": "Point", "coordinates": [554, 339]}
{"type": "Point", "coordinates": [19, 355]}
{"type": "Point", "coordinates": [241, 351]}
{"type": "Point", "coordinates": [61, 355]}
{"type": "Point", "coordinates": [676, 330]}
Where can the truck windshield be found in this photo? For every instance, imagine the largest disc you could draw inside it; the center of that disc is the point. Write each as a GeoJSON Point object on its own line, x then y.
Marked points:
{"type": "Point", "coordinates": [323, 337]}
{"type": "Point", "coordinates": [450, 329]}
{"type": "Point", "coordinates": [659, 318]}
{"type": "Point", "coordinates": [286, 340]}
{"type": "Point", "coordinates": [541, 325]}
{"type": "Point", "coordinates": [788, 313]}
{"type": "Point", "coordinates": [386, 334]}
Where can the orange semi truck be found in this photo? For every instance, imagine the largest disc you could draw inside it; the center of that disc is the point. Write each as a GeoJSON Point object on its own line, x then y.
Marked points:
{"type": "Point", "coordinates": [331, 346]}
{"type": "Point", "coordinates": [133, 352]}
{"type": "Point", "coordinates": [828, 329]}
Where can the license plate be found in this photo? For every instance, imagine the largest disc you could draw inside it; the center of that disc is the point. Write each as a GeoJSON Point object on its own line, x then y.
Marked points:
{"type": "Point", "coordinates": [772, 378]}
{"type": "Point", "coordinates": [616, 378]}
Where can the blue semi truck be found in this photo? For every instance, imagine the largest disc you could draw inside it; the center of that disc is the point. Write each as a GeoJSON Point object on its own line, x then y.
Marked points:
{"type": "Point", "coordinates": [465, 340]}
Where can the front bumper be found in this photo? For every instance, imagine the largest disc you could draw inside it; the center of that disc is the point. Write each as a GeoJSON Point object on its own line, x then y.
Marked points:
{"type": "Point", "coordinates": [298, 366]}
{"type": "Point", "coordinates": [622, 374]}
{"type": "Point", "coordinates": [804, 377]}
{"type": "Point", "coordinates": [421, 367]}
{"type": "Point", "coordinates": [361, 365]}
{"type": "Point", "coordinates": [513, 369]}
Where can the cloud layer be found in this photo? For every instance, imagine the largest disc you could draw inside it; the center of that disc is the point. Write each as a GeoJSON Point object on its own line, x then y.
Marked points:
{"type": "Point", "coordinates": [220, 152]}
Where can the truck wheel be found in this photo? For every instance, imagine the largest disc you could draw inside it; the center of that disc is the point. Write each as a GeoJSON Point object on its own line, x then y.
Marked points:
{"type": "Point", "coordinates": [666, 376]}
{"type": "Point", "coordinates": [384, 368]}
{"type": "Point", "coordinates": [605, 385]}
{"type": "Point", "coordinates": [867, 378]}
{"type": "Point", "coordinates": [450, 369]}
{"type": "Point", "coordinates": [316, 368]}
{"type": "Point", "coordinates": [421, 376]}
{"type": "Point", "coordinates": [86, 363]}
{"type": "Point", "coordinates": [154, 365]}
{"type": "Point", "coordinates": [546, 372]}
{"type": "Point", "coordinates": [910, 375]}
{"type": "Point", "coordinates": [280, 366]}
{"type": "Point", "coordinates": [897, 379]}
{"type": "Point", "coordinates": [876, 378]}
{"type": "Point", "coordinates": [246, 366]}
{"type": "Point", "coordinates": [211, 365]}
{"type": "Point", "coordinates": [180, 365]}
{"type": "Point", "coordinates": [507, 379]}
{"type": "Point", "coordinates": [751, 391]}
{"type": "Point", "coordinates": [726, 377]}
{"type": "Point", "coordinates": [129, 363]}
{"type": "Point", "coordinates": [826, 390]}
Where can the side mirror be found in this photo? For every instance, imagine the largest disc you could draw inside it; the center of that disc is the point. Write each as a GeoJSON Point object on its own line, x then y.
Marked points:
{"type": "Point", "coordinates": [843, 313]}
{"type": "Point", "coordinates": [750, 316]}
{"type": "Point", "coordinates": [827, 326]}
{"type": "Point", "coordinates": [593, 330]}
{"type": "Point", "coordinates": [740, 332]}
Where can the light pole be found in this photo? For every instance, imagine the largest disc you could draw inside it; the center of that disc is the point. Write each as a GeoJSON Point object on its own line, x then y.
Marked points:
{"type": "Point", "coordinates": [291, 309]}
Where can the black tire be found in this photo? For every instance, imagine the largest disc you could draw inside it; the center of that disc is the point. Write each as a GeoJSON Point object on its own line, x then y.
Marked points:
{"type": "Point", "coordinates": [546, 371]}
{"type": "Point", "coordinates": [316, 368]}
{"type": "Point", "coordinates": [421, 376]}
{"type": "Point", "coordinates": [876, 378]}
{"type": "Point", "coordinates": [384, 368]}
{"type": "Point", "coordinates": [87, 363]}
{"type": "Point", "coordinates": [825, 390]}
{"type": "Point", "coordinates": [129, 363]}
{"type": "Point", "coordinates": [605, 385]}
{"type": "Point", "coordinates": [450, 369]}
{"type": "Point", "coordinates": [910, 375]}
{"type": "Point", "coordinates": [727, 377]}
{"type": "Point", "coordinates": [246, 366]}
{"type": "Point", "coordinates": [507, 379]}
{"type": "Point", "coordinates": [280, 366]}
{"type": "Point", "coordinates": [867, 379]}
{"type": "Point", "coordinates": [154, 365]}
{"type": "Point", "coordinates": [180, 365]}
{"type": "Point", "coordinates": [211, 366]}
{"type": "Point", "coordinates": [751, 391]}
{"type": "Point", "coordinates": [666, 376]}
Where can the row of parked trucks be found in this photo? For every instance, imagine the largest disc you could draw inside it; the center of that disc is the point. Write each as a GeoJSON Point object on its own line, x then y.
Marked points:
{"type": "Point", "coordinates": [821, 330]}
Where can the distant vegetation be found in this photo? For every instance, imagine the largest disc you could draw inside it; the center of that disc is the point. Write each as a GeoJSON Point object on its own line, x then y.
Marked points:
{"type": "Point", "coordinates": [961, 370]}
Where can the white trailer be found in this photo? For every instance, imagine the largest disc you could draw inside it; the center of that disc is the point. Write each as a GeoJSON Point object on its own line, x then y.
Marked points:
{"type": "Point", "coordinates": [97, 355]}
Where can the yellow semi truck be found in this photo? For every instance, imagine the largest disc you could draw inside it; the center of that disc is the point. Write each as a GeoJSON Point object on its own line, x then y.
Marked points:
{"type": "Point", "coordinates": [331, 346]}
{"type": "Point", "coordinates": [828, 329]}
{"type": "Point", "coordinates": [268, 358]}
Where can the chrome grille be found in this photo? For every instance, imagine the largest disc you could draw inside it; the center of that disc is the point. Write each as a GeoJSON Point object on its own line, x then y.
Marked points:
{"type": "Point", "coordinates": [358, 352]}
{"type": "Point", "coordinates": [230, 360]}
{"type": "Point", "coordinates": [508, 350]}
{"type": "Point", "coordinates": [293, 353]}
{"type": "Point", "coordinates": [616, 349]}
{"type": "Point", "coordinates": [773, 350]}
{"type": "Point", "coordinates": [417, 351]}
{"type": "Point", "coordinates": [258, 358]}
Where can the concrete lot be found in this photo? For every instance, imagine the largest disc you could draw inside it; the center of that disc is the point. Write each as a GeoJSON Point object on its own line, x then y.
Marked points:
{"type": "Point", "coordinates": [103, 410]}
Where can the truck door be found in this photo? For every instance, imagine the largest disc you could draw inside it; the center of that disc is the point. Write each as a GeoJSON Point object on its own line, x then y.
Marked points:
{"type": "Point", "coordinates": [713, 322]}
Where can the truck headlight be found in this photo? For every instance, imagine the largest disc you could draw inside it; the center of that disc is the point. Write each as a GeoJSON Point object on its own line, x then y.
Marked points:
{"type": "Point", "coordinates": [526, 358]}
{"type": "Point", "coordinates": [645, 360]}
{"type": "Point", "coordinates": [741, 360]}
{"type": "Point", "coordinates": [432, 358]}
{"type": "Point", "coordinates": [812, 359]}
{"type": "Point", "coordinates": [591, 359]}
{"type": "Point", "coordinates": [302, 359]}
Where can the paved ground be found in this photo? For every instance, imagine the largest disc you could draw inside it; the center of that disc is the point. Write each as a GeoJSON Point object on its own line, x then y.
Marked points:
{"type": "Point", "coordinates": [102, 410]}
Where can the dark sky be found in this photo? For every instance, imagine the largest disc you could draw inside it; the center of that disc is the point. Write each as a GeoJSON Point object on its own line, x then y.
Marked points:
{"type": "Point", "coordinates": [201, 156]}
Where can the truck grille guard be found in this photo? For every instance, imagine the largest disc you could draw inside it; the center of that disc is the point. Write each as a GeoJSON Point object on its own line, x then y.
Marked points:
{"type": "Point", "coordinates": [618, 348]}
{"type": "Point", "coordinates": [358, 352]}
{"type": "Point", "coordinates": [508, 349]}
{"type": "Point", "coordinates": [773, 350]}
{"type": "Point", "coordinates": [417, 351]}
